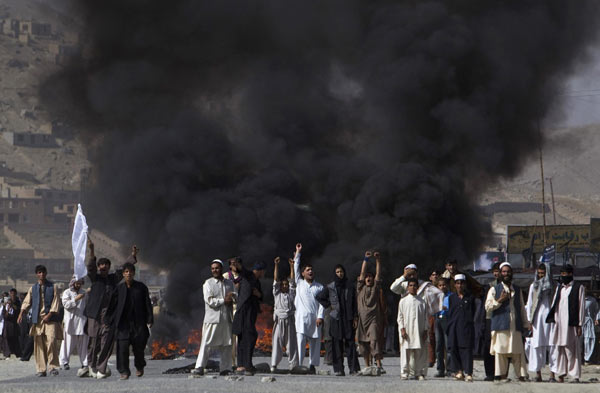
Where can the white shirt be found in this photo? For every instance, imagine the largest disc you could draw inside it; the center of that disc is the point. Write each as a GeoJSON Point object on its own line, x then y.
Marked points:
{"type": "Point", "coordinates": [308, 309]}
{"type": "Point", "coordinates": [541, 329]}
{"type": "Point", "coordinates": [215, 309]}
{"type": "Point", "coordinates": [73, 319]}
{"type": "Point", "coordinates": [412, 316]}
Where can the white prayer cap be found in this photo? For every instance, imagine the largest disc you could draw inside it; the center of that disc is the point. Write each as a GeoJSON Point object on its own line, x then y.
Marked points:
{"type": "Point", "coordinates": [505, 264]}
{"type": "Point", "coordinates": [217, 261]}
{"type": "Point", "coordinates": [411, 266]}
{"type": "Point", "coordinates": [460, 277]}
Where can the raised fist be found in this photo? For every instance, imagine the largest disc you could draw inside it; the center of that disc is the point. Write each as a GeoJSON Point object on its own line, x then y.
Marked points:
{"type": "Point", "coordinates": [298, 247]}
{"type": "Point", "coordinates": [277, 260]}
{"type": "Point", "coordinates": [368, 254]}
{"type": "Point", "coordinates": [376, 254]}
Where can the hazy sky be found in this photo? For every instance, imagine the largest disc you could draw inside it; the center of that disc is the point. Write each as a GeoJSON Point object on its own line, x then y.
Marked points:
{"type": "Point", "coordinates": [582, 95]}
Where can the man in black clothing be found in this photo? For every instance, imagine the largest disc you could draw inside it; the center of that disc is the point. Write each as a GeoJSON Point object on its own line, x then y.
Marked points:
{"type": "Point", "coordinates": [131, 311]}
{"type": "Point", "coordinates": [97, 311]}
{"type": "Point", "coordinates": [489, 360]}
{"type": "Point", "coordinates": [11, 332]}
{"type": "Point", "coordinates": [244, 322]}
{"type": "Point", "coordinates": [25, 338]}
{"type": "Point", "coordinates": [341, 297]}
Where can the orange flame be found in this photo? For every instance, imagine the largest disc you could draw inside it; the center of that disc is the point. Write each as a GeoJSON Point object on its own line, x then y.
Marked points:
{"type": "Point", "coordinates": [264, 327]}
{"type": "Point", "coordinates": [191, 345]}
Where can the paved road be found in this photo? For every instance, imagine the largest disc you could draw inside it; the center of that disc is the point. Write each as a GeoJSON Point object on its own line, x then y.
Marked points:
{"type": "Point", "coordinates": [17, 376]}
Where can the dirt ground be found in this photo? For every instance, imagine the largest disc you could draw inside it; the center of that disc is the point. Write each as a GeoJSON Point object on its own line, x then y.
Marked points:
{"type": "Point", "coordinates": [17, 376]}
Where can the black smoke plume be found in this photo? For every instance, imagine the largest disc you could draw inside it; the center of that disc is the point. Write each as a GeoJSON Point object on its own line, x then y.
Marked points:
{"type": "Point", "coordinates": [221, 128]}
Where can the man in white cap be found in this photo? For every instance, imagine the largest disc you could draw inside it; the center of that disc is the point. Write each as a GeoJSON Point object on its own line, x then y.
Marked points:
{"type": "Point", "coordinates": [216, 327]}
{"type": "Point", "coordinates": [428, 292]}
{"type": "Point", "coordinates": [73, 300]}
{"type": "Point", "coordinates": [461, 329]}
{"type": "Point", "coordinates": [509, 323]}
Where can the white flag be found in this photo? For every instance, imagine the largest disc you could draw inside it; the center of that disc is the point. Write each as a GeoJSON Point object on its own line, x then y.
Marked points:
{"type": "Point", "coordinates": [79, 241]}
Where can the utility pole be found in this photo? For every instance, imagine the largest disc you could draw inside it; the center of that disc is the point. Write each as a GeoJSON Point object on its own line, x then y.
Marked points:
{"type": "Point", "coordinates": [543, 191]}
{"type": "Point", "coordinates": [552, 194]}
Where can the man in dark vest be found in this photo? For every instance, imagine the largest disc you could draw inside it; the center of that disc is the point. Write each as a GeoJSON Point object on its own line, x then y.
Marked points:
{"type": "Point", "coordinates": [131, 311]}
{"type": "Point", "coordinates": [98, 326]}
{"type": "Point", "coordinates": [508, 324]}
{"type": "Point", "coordinates": [340, 295]}
{"type": "Point", "coordinates": [46, 330]}
{"type": "Point", "coordinates": [567, 313]}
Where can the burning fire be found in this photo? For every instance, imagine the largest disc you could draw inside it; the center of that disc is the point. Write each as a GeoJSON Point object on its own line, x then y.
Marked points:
{"type": "Point", "coordinates": [191, 346]}
{"type": "Point", "coordinates": [264, 327]}
{"type": "Point", "coordinates": [166, 351]}
{"type": "Point", "coordinates": [172, 349]}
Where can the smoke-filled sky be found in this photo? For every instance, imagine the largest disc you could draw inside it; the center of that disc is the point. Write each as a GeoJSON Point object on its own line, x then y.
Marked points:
{"type": "Point", "coordinates": [221, 128]}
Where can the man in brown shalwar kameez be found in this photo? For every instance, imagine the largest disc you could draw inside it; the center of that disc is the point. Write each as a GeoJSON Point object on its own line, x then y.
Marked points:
{"type": "Point", "coordinates": [369, 314]}
{"type": "Point", "coordinates": [46, 329]}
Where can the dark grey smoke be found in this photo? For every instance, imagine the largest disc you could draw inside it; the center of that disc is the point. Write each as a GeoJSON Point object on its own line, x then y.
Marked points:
{"type": "Point", "coordinates": [221, 128]}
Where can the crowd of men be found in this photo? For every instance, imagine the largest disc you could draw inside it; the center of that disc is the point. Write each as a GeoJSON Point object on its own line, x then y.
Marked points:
{"type": "Point", "coordinates": [114, 311]}
{"type": "Point", "coordinates": [443, 322]}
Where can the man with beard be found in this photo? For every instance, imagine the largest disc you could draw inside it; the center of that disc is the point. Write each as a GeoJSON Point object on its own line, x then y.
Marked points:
{"type": "Point", "coordinates": [218, 295]}
{"type": "Point", "coordinates": [46, 331]}
{"type": "Point", "coordinates": [284, 325]}
{"type": "Point", "coordinates": [309, 312]}
{"type": "Point", "coordinates": [341, 297]}
{"type": "Point", "coordinates": [538, 306]}
{"type": "Point", "coordinates": [244, 323]}
{"type": "Point", "coordinates": [369, 315]}
{"type": "Point", "coordinates": [131, 312]}
{"type": "Point", "coordinates": [96, 310]}
{"type": "Point", "coordinates": [567, 314]}
{"type": "Point", "coordinates": [73, 300]}
{"type": "Point", "coordinates": [509, 323]}
{"type": "Point", "coordinates": [461, 330]}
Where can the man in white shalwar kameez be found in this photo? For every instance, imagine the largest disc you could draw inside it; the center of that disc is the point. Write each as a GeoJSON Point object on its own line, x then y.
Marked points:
{"type": "Point", "coordinates": [429, 293]}
{"type": "Point", "coordinates": [216, 327]}
{"type": "Point", "coordinates": [284, 327]}
{"type": "Point", "coordinates": [567, 314]}
{"type": "Point", "coordinates": [73, 300]}
{"type": "Point", "coordinates": [589, 326]}
{"type": "Point", "coordinates": [412, 327]}
{"type": "Point", "coordinates": [509, 322]}
{"type": "Point", "coordinates": [539, 300]}
{"type": "Point", "coordinates": [309, 312]}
